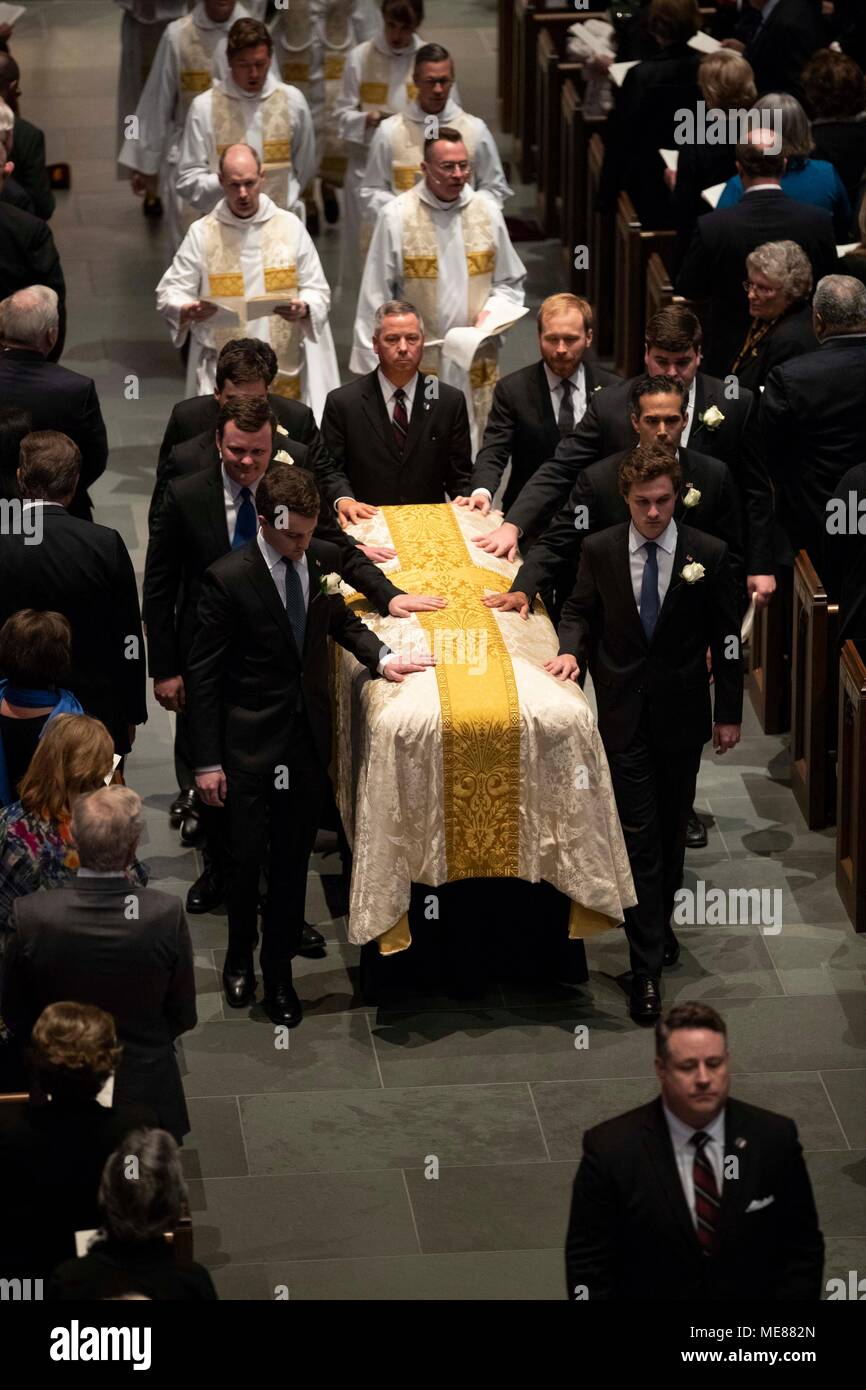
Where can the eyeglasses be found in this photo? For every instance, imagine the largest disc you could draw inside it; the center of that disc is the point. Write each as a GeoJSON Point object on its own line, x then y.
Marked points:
{"type": "Point", "coordinates": [762, 291]}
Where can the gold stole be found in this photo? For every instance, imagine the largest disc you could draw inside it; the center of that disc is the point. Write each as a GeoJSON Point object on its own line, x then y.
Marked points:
{"type": "Point", "coordinates": [421, 282]}
{"type": "Point", "coordinates": [407, 147]}
{"type": "Point", "coordinates": [296, 30]}
{"type": "Point", "coordinates": [279, 250]}
{"type": "Point", "coordinates": [196, 64]}
{"type": "Point", "coordinates": [230, 129]}
{"type": "Point", "coordinates": [376, 80]}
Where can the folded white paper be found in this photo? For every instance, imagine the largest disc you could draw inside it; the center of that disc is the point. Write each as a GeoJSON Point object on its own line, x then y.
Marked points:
{"type": "Point", "coordinates": [10, 14]}
{"type": "Point", "coordinates": [846, 250]}
{"type": "Point", "coordinates": [671, 158]}
{"type": "Point", "coordinates": [712, 195]}
{"type": "Point", "coordinates": [748, 623]}
{"type": "Point", "coordinates": [704, 43]}
{"type": "Point", "coordinates": [113, 769]}
{"type": "Point", "coordinates": [617, 71]}
{"type": "Point", "coordinates": [461, 344]}
{"type": "Point", "coordinates": [83, 1242]}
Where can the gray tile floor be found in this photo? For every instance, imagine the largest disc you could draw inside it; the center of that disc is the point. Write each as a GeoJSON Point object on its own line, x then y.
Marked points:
{"type": "Point", "coordinates": [312, 1168]}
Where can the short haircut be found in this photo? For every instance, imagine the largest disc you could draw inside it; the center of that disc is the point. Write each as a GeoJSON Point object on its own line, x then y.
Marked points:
{"type": "Point", "coordinates": [142, 1208]}
{"type": "Point", "coordinates": [239, 145]}
{"type": "Point", "coordinates": [409, 12]}
{"type": "Point", "coordinates": [74, 755]}
{"type": "Point", "coordinates": [50, 465]}
{"type": "Point", "coordinates": [35, 649]}
{"type": "Point", "coordinates": [431, 53]}
{"type": "Point", "coordinates": [561, 304]}
{"type": "Point", "coordinates": [655, 386]}
{"type": "Point", "coordinates": [390, 309]}
{"type": "Point", "coordinates": [756, 161]}
{"type": "Point", "coordinates": [834, 85]}
{"type": "Point", "coordinates": [727, 80]}
{"type": "Point", "coordinates": [74, 1050]}
{"type": "Point", "coordinates": [246, 359]}
{"type": "Point", "coordinates": [446, 132]}
{"type": "Point", "coordinates": [29, 314]}
{"type": "Point", "coordinates": [783, 112]}
{"type": "Point", "coordinates": [287, 489]}
{"type": "Point", "coordinates": [674, 21]}
{"type": "Point", "coordinates": [841, 302]}
{"type": "Point", "coordinates": [688, 1015]}
{"type": "Point", "coordinates": [106, 823]}
{"type": "Point", "coordinates": [787, 264]}
{"type": "Point", "coordinates": [247, 33]}
{"type": "Point", "coordinates": [647, 462]}
{"type": "Point", "coordinates": [674, 329]}
{"type": "Point", "coordinates": [249, 413]}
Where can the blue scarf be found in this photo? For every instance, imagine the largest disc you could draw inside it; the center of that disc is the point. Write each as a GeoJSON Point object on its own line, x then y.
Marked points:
{"type": "Point", "coordinates": [64, 702]}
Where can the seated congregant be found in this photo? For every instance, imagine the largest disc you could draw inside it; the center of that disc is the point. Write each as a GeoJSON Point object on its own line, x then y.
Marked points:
{"type": "Point", "coordinates": [34, 666]}
{"type": "Point", "coordinates": [778, 286]}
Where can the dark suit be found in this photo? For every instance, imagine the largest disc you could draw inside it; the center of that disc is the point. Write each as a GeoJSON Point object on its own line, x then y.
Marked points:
{"type": "Point", "coordinates": [58, 399]}
{"type": "Point", "coordinates": [28, 156]}
{"type": "Point", "coordinates": [843, 144]}
{"type": "Point", "coordinates": [256, 706]}
{"type": "Point", "coordinates": [791, 336]}
{"type": "Point", "coordinates": [555, 558]}
{"type": "Point", "coordinates": [698, 167]}
{"type": "Point", "coordinates": [366, 463]}
{"type": "Point", "coordinates": [780, 48]}
{"type": "Point", "coordinates": [84, 572]}
{"type": "Point", "coordinates": [631, 1233]}
{"type": "Point", "coordinates": [80, 942]}
{"type": "Point", "coordinates": [812, 420]}
{"type": "Point", "coordinates": [715, 265]}
{"type": "Point", "coordinates": [606, 429]}
{"type": "Point", "coordinates": [845, 559]}
{"type": "Point", "coordinates": [522, 427]}
{"type": "Point", "coordinates": [653, 701]}
{"type": "Point", "coordinates": [28, 256]}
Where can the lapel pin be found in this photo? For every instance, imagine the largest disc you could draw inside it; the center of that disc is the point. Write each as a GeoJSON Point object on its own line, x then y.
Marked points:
{"type": "Point", "coordinates": [739, 1143]}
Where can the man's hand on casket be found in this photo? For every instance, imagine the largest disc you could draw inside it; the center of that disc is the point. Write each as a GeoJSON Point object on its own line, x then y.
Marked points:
{"type": "Point", "coordinates": [398, 670]}
{"type": "Point", "coordinates": [349, 511]}
{"type": "Point", "coordinates": [378, 553]}
{"type": "Point", "coordinates": [515, 602]}
{"type": "Point", "coordinates": [564, 667]}
{"type": "Point", "coordinates": [402, 605]}
{"type": "Point", "coordinates": [478, 500]}
{"type": "Point", "coordinates": [502, 541]}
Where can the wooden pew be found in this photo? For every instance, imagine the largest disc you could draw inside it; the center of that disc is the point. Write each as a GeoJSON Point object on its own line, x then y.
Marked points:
{"type": "Point", "coordinates": [528, 21]}
{"type": "Point", "coordinates": [851, 792]}
{"type": "Point", "coordinates": [634, 245]}
{"type": "Point", "coordinates": [770, 686]}
{"type": "Point", "coordinates": [814, 697]}
{"type": "Point", "coordinates": [552, 70]}
{"type": "Point", "coordinates": [576, 131]}
{"type": "Point", "coordinates": [504, 62]}
{"type": "Point", "coordinates": [599, 238]}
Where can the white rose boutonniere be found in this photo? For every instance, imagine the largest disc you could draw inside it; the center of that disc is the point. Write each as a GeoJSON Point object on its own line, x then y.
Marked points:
{"type": "Point", "coordinates": [282, 457]}
{"type": "Point", "coordinates": [692, 496]}
{"type": "Point", "coordinates": [281, 429]}
{"type": "Point", "coordinates": [712, 418]}
{"type": "Point", "coordinates": [330, 583]}
{"type": "Point", "coordinates": [692, 571]}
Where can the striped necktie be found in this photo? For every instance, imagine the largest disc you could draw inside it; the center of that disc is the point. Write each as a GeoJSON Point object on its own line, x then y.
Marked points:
{"type": "Point", "coordinates": [401, 419]}
{"type": "Point", "coordinates": [706, 1194]}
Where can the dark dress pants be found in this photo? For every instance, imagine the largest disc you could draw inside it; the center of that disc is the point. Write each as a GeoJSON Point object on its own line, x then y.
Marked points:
{"type": "Point", "coordinates": [654, 789]}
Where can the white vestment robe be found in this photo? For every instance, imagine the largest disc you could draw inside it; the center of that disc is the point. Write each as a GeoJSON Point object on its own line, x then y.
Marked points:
{"type": "Point", "coordinates": [141, 29]}
{"type": "Point", "coordinates": [186, 280]}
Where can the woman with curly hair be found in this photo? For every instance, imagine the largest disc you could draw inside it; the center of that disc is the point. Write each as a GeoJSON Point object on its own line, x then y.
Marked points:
{"type": "Point", "coordinates": [778, 285]}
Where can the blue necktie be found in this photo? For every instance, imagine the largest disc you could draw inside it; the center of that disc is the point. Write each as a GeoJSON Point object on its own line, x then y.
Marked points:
{"type": "Point", "coordinates": [297, 613]}
{"type": "Point", "coordinates": [246, 523]}
{"type": "Point", "coordinates": [649, 590]}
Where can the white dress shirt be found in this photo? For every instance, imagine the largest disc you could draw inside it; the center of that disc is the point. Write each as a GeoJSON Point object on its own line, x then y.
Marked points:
{"type": "Point", "coordinates": [637, 555]}
{"type": "Point", "coordinates": [684, 1153]}
{"type": "Point", "coordinates": [389, 390]}
{"type": "Point", "coordinates": [690, 406]}
{"type": "Point", "coordinates": [274, 561]}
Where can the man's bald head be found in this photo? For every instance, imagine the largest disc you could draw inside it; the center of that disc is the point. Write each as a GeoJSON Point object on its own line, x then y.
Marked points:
{"type": "Point", "coordinates": [759, 158]}
{"type": "Point", "coordinates": [240, 175]}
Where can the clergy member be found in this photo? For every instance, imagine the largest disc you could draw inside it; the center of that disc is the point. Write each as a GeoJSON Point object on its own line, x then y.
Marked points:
{"type": "Point", "coordinates": [312, 41]}
{"type": "Point", "coordinates": [248, 107]}
{"type": "Point", "coordinates": [141, 29]}
{"type": "Point", "coordinates": [377, 81]}
{"type": "Point", "coordinates": [445, 248]}
{"type": "Point", "coordinates": [397, 147]}
{"type": "Point", "coordinates": [191, 53]}
{"type": "Point", "coordinates": [249, 247]}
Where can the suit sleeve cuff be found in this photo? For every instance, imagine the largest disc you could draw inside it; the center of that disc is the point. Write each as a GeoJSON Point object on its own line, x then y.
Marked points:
{"type": "Point", "coordinates": [386, 660]}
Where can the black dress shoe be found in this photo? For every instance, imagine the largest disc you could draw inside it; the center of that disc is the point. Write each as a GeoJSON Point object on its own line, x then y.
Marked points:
{"type": "Point", "coordinates": [239, 985]}
{"type": "Point", "coordinates": [192, 832]}
{"type": "Point", "coordinates": [205, 894]}
{"type": "Point", "coordinates": [330, 204]}
{"type": "Point", "coordinates": [312, 942]}
{"type": "Point", "coordinates": [312, 214]}
{"type": "Point", "coordinates": [183, 804]}
{"type": "Point", "coordinates": [645, 1003]}
{"type": "Point", "coordinates": [152, 206]}
{"type": "Point", "coordinates": [282, 1005]}
{"type": "Point", "coordinates": [696, 832]}
{"type": "Point", "coordinates": [671, 953]}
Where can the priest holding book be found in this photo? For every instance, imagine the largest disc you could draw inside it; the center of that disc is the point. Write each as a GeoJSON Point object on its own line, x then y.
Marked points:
{"type": "Point", "coordinates": [251, 267]}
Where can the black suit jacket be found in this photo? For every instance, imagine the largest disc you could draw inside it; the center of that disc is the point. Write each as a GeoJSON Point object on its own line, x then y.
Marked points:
{"type": "Point", "coordinates": [845, 559]}
{"type": "Point", "coordinates": [522, 427]}
{"type": "Point", "coordinates": [601, 626]}
{"type": "Point", "coordinates": [555, 558]}
{"type": "Point", "coordinates": [58, 399]}
{"type": "Point", "coordinates": [366, 462]}
{"type": "Point", "coordinates": [792, 336]}
{"type": "Point", "coordinates": [843, 144]}
{"type": "Point", "coordinates": [780, 48]}
{"type": "Point", "coordinates": [715, 265]}
{"type": "Point", "coordinates": [84, 571]}
{"type": "Point", "coordinates": [606, 429]}
{"type": "Point", "coordinates": [631, 1234]}
{"type": "Point", "coordinates": [189, 534]}
{"type": "Point", "coordinates": [246, 678]}
{"type": "Point", "coordinates": [813, 422]}
{"type": "Point", "coordinates": [28, 155]}
{"type": "Point", "coordinates": [79, 942]}
{"type": "Point", "coordinates": [28, 256]}
{"type": "Point", "coordinates": [198, 414]}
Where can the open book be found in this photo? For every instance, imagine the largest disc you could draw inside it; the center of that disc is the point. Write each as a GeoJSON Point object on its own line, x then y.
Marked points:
{"type": "Point", "coordinates": [258, 306]}
{"type": "Point", "coordinates": [461, 344]}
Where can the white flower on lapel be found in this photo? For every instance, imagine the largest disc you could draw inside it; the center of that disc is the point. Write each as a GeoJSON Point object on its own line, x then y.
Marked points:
{"type": "Point", "coordinates": [596, 389]}
{"type": "Point", "coordinates": [692, 571]}
{"type": "Point", "coordinates": [330, 583]}
{"type": "Point", "coordinates": [281, 429]}
{"type": "Point", "coordinates": [692, 497]}
{"type": "Point", "coordinates": [282, 457]}
{"type": "Point", "coordinates": [712, 418]}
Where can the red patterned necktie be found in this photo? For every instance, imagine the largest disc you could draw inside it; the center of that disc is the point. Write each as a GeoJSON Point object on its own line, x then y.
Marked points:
{"type": "Point", "coordinates": [401, 419]}
{"type": "Point", "coordinates": [706, 1193]}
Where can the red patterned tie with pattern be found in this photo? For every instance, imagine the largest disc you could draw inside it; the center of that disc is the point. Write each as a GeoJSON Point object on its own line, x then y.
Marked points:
{"type": "Point", "coordinates": [401, 419]}
{"type": "Point", "coordinates": [707, 1200]}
